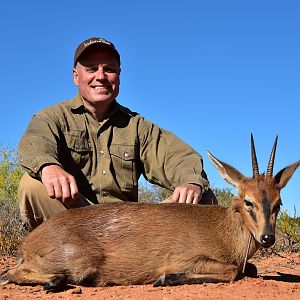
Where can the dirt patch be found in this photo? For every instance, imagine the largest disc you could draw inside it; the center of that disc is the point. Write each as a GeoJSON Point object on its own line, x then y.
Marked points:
{"type": "Point", "coordinates": [279, 278]}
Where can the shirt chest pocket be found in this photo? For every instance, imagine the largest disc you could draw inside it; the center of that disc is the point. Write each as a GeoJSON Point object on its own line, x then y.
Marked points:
{"type": "Point", "coordinates": [79, 149]}
{"type": "Point", "coordinates": [124, 160]}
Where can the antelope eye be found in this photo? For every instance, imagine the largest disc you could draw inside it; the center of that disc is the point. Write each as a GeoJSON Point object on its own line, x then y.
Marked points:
{"type": "Point", "coordinates": [248, 203]}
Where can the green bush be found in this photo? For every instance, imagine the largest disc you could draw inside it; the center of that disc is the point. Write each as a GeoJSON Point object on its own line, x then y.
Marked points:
{"type": "Point", "coordinates": [289, 230]}
{"type": "Point", "coordinates": [152, 193]}
{"type": "Point", "coordinates": [223, 195]}
{"type": "Point", "coordinates": [11, 229]}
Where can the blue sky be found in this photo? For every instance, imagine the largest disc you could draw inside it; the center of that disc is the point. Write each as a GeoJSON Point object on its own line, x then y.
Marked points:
{"type": "Point", "coordinates": [212, 71]}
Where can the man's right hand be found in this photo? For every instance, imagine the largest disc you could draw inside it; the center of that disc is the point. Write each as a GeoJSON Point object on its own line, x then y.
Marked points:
{"type": "Point", "coordinates": [60, 185]}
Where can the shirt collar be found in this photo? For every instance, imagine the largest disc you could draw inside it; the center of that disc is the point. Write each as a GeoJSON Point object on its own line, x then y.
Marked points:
{"type": "Point", "coordinates": [76, 104]}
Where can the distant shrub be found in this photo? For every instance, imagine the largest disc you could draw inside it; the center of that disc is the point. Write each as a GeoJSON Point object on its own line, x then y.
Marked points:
{"type": "Point", "coordinates": [11, 230]}
{"type": "Point", "coordinates": [223, 195]}
{"type": "Point", "coordinates": [289, 230]}
{"type": "Point", "coordinates": [152, 193]}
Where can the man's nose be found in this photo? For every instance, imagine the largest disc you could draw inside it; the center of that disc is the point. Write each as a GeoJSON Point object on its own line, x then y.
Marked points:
{"type": "Point", "coordinates": [100, 73]}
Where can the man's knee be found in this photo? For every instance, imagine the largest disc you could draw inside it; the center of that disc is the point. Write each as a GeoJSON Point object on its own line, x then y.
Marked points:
{"type": "Point", "coordinates": [35, 204]}
{"type": "Point", "coordinates": [30, 187]}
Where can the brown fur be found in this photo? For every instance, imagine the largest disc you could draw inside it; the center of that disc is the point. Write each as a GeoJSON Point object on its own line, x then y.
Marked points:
{"type": "Point", "coordinates": [135, 243]}
{"type": "Point", "coordinates": [131, 243]}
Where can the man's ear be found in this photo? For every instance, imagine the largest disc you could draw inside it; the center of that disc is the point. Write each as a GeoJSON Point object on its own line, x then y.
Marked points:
{"type": "Point", "coordinates": [75, 76]}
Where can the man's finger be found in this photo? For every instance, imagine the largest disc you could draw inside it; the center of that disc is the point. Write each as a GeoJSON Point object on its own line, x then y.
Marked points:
{"type": "Point", "coordinates": [74, 189]}
{"type": "Point", "coordinates": [190, 198]}
{"type": "Point", "coordinates": [58, 192]}
{"type": "Point", "coordinates": [196, 199]}
{"type": "Point", "coordinates": [50, 190]}
{"type": "Point", "coordinates": [66, 192]}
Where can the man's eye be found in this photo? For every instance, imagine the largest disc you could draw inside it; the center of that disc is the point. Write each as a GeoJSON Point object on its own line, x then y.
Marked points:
{"type": "Point", "coordinates": [91, 69]}
{"type": "Point", "coordinates": [110, 70]}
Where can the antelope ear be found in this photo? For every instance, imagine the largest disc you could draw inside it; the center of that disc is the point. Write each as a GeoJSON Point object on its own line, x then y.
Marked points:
{"type": "Point", "coordinates": [229, 174]}
{"type": "Point", "coordinates": [283, 176]}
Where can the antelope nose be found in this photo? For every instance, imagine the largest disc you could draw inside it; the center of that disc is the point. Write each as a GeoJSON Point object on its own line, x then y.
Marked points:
{"type": "Point", "coordinates": [267, 240]}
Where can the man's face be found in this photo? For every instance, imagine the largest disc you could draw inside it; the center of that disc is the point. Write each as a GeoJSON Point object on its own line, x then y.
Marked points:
{"type": "Point", "coordinates": [97, 75]}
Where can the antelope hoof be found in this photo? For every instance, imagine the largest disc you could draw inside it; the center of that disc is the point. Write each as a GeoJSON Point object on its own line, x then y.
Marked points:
{"type": "Point", "coordinates": [54, 286]}
{"type": "Point", "coordinates": [4, 279]}
{"type": "Point", "coordinates": [171, 279]}
{"type": "Point", "coordinates": [250, 270]}
{"type": "Point", "coordinates": [50, 287]}
{"type": "Point", "coordinates": [160, 281]}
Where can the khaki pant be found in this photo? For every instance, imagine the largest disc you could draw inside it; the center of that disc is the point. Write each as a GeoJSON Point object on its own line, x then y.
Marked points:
{"type": "Point", "coordinates": [36, 206]}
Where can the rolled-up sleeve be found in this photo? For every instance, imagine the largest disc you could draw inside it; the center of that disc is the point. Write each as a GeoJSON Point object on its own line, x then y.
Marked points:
{"type": "Point", "coordinates": [39, 144]}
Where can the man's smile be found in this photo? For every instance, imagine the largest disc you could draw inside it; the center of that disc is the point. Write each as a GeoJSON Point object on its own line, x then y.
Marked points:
{"type": "Point", "coordinates": [104, 88]}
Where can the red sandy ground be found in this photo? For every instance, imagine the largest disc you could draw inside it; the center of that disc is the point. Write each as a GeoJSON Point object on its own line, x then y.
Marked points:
{"type": "Point", "coordinates": [279, 278]}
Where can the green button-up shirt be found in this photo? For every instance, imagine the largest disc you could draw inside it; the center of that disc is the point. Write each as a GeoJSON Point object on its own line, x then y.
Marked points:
{"type": "Point", "coordinates": [108, 158]}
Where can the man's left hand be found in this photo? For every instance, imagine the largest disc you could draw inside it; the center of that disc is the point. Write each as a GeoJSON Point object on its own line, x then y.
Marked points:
{"type": "Point", "coordinates": [187, 193]}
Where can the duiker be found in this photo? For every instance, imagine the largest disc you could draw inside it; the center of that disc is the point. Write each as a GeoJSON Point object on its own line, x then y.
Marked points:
{"type": "Point", "coordinates": [165, 244]}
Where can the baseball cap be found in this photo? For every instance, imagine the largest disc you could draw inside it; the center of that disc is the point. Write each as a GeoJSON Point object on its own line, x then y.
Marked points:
{"type": "Point", "coordinates": [93, 42]}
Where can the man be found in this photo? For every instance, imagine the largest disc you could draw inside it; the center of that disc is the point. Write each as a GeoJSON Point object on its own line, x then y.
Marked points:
{"type": "Point", "coordinates": [92, 149]}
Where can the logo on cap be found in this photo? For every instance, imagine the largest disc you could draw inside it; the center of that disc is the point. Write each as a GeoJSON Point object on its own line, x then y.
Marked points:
{"type": "Point", "coordinates": [84, 45]}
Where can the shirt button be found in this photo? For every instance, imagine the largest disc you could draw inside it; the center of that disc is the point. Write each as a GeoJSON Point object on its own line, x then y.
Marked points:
{"type": "Point", "coordinates": [126, 154]}
{"type": "Point", "coordinates": [101, 152]}
{"type": "Point", "coordinates": [22, 159]}
{"type": "Point", "coordinates": [103, 172]}
{"type": "Point", "coordinates": [105, 193]}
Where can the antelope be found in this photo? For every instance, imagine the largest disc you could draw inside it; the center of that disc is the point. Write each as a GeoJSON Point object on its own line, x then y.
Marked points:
{"type": "Point", "coordinates": [163, 244]}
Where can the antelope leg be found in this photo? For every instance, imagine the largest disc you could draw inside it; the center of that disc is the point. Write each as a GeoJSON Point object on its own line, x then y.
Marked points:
{"type": "Point", "coordinates": [226, 273]}
{"type": "Point", "coordinates": [183, 278]}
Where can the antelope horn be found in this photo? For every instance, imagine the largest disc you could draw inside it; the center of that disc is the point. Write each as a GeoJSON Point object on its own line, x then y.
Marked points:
{"type": "Point", "coordinates": [254, 159]}
{"type": "Point", "coordinates": [271, 161]}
